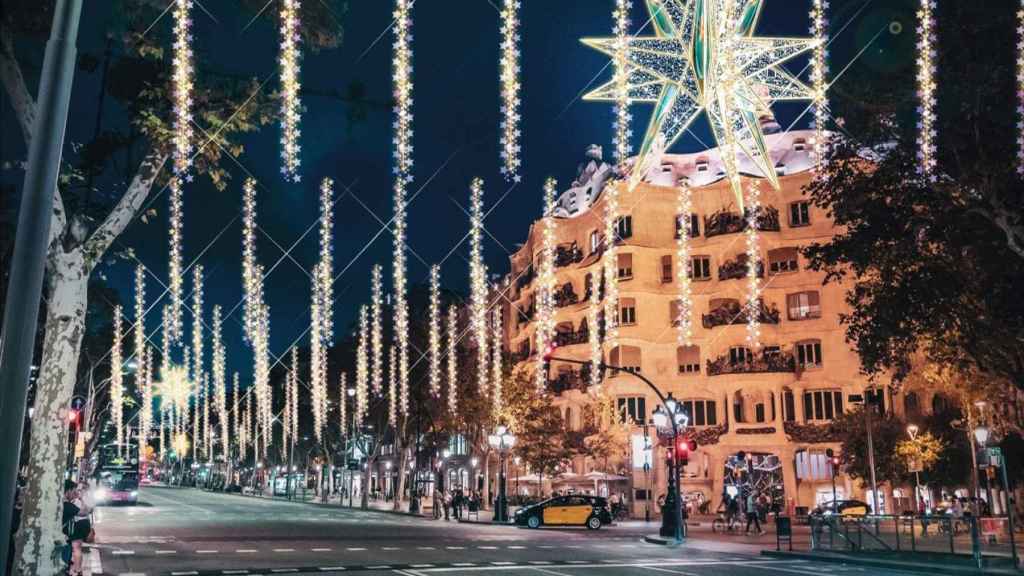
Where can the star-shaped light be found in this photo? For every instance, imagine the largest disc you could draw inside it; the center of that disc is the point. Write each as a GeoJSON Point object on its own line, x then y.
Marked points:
{"type": "Point", "coordinates": [705, 58]}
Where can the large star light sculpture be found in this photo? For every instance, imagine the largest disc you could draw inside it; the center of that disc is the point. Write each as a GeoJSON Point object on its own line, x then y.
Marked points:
{"type": "Point", "coordinates": [705, 58]}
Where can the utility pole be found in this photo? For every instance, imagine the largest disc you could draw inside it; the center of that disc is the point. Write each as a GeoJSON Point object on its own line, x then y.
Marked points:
{"type": "Point", "coordinates": [17, 339]}
{"type": "Point", "coordinates": [869, 407]}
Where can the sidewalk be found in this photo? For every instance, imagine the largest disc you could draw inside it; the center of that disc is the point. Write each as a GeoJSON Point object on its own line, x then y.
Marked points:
{"type": "Point", "coordinates": [939, 564]}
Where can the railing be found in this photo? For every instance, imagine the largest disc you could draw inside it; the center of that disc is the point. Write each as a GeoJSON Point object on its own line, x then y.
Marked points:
{"type": "Point", "coordinates": [565, 296]}
{"type": "Point", "coordinates": [524, 316]}
{"type": "Point", "coordinates": [767, 363]}
{"type": "Point", "coordinates": [737, 269]}
{"type": "Point", "coordinates": [525, 279]}
{"type": "Point", "coordinates": [570, 338]}
{"type": "Point", "coordinates": [725, 222]}
{"type": "Point", "coordinates": [570, 380]}
{"type": "Point", "coordinates": [566, 255]}
{"type": "Point", "coordinates": [732, 313]}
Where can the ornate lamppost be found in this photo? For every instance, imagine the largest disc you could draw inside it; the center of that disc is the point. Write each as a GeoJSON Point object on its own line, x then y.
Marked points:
{"type": "Point", "coordinates": [502, 440]}
{"type": "Point", "coordinates": [671, 420]}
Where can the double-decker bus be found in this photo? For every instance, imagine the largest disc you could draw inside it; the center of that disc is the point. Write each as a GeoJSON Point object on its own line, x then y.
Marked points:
{"type": "Point", "coordinates": [117, 475]}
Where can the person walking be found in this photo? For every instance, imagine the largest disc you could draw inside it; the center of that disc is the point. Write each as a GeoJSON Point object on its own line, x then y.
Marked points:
{"type": "Point", "coordinates": [752, 516]}
{"type": "Point", "coordinates": [447, 503]}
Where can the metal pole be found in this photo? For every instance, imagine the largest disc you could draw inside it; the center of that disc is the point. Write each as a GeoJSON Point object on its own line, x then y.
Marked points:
{"type": "Point", "coordinates": [17, 338]}
{"type": "Point", "coordinates": [868, 408]}
{"type": "Point", "coordinates": [1011, 510]}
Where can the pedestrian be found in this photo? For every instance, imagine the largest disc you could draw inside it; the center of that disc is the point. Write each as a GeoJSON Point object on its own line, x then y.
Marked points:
{"type": "Point", "coordinates": [75, 523]}
{"type": "Point", "coordinates": [751, 509]}
{"type": "Point", "coordinates": [447, 503]}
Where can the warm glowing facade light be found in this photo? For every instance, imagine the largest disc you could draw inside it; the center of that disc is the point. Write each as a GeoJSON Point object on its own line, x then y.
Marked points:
{"type": "Point", "coordinates": [546, 282]}
{"type": "Point", "coordinates": [753, 304]}
{"type": "Point", "coordinates": [684, 322]}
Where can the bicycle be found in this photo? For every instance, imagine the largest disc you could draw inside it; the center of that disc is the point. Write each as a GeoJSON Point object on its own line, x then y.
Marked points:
{"type": "Point", "coordinates": [724, 523]}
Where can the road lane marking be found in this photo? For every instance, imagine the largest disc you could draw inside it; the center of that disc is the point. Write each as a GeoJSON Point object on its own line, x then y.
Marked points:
{"type": "Point", "coordinates": [283, 570]}
{"type": "Point", "coordinates": [379, 567]}
{"type": "Point", "coordinates": [95, 565]}
{"type": "Point", "coordinates": [207, 551]}
{"type": "Point", "coordinates": [355, 549]}
{"type": "Point", "coordinates": [234, 572]}
{"type": "Point", "coordinates": [516, 547]}
{"type": "Point", "coordinates": [657, 569]}
{"type": "Point", "coordinates": [321, 550]}
{"type": "Point", "coordinates": [421, 565]}
{"type": "Point", "coordinates": [284, 549]}
{"type": "Point", "coordinates": [546, 547]}
{"type": "Point", "coordinates": [539, 562]}
{"type": "Point", "coordinates": [503, 563]}
{"type": "Point", "coordinates": [187, 573]}
{"type": "Point", "coordinates": [455, 547]}
{"type": "Point", "coordinates": [332, 568]}
{"type": "Point", "coordinates": [390, 548]}
{"type": "Point", "coordinates": [487, 547]}
{"type": "Point", "coordinates": [246, 551]}
{"type": "Point", "coordinates": [425, 548]}
{"type": "Point", "coordinates": [462, 564]}
{"type": "Point", "coordinates": [165, 552]}
{"type": "Point", "coordinates": [123, 552]}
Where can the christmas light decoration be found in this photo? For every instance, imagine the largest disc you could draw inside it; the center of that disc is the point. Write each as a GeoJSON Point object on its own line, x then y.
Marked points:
{"type": "Point", "coordinates": [291, 107]}
{"type": "Point", "coordinates": [197, 323]}
{"type": "Point", "coordinates": [478, 281]}
{"type": "Point", "coordinates": [142, 359]}
{"type": "Point", "coordinates": [392, 388]}
{"type": "Point", "coordinates": [236, 416]}
{"type": "Point", "coordinates": [594, 325]}
{"type": "Point", "coordinates": [117, 381]}
{"type": "Point", "coordinates": [252, 282]}
{"type": "Point", "coordinates": [684, 322]}
{"type": "Point", "coordinates": [434, 323]}
{"type": "Point", "coordinates": [704, 57]}
{"type": "Point", "coordinates": [819, 72]}
{"type": "Point", "coordinates": [753, 304]}
{"type": "Point", "coordinates": [453, 344]}
{"type": "Point", "coordinates": [146, 409]}
{"type": "Point", "coordinates": [182, 407]}
{"type": "Point", "coordinates": [496, 360]}
{"type": "Point", "coordinates": [317, 379]}
{"type": "Point", "coordinates": [621, 81]}
{"type": "Point", "coordinates": [165, 340]}
{"type": "Point", "coordinates": [376, 330]}
{"type": "Point", "coordinates": [927, 86]}
{"type": "Point", "coordinates": [293, 396]}
{"type": "Point", "coordinates": [174, 267]}
{"type": "Point", "coordinates": [219, 372]}
{"type": "Point", "coordinates": [261, 371]}
{"type": "Point", "coordinates": [343, 404]}
{"type": "Point", "coordinates": [207, 438]}
{"type": "Point", "coordinates": [610, 264]}
{"type": "Point", "coordinates": [1020, 90]}
{"type": "Point", "coordinates": [402, 88]}
{"type": "Point", "coordinates": [182, 85]}
{"type": "Point", "coordinates": [510, 88]}
{"type": "Point", "coordinates": [362, 366]}
{"type": "Point", "coordinates": [546, 282]}
{"type": "Point", "coordinates": [325, 272]}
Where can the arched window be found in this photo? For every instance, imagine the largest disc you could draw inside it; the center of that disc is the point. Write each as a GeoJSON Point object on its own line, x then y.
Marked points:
{"type": "Point", "coordinates": [688, 359]}
{"type": "Point", "coordinates": [568, 418]}
{"type": "Point", "coordinates": [911, 404]}
{"type": "Point", "coordinates": [939, 404]}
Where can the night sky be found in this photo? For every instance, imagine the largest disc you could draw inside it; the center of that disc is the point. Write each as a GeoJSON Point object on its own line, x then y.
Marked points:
{"type": "Point", "coordinates": [456, 117]}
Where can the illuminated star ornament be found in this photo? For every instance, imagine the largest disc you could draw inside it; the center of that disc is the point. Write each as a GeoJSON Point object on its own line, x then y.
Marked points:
{"type": "Point", "coordinates": [705, 58]}
{"type": "Point", "coordinates": [926, 87]}
{"type": "Point", "coordinates": [510, 87]}
{"type": "Point", "coordinates": [290, 104]}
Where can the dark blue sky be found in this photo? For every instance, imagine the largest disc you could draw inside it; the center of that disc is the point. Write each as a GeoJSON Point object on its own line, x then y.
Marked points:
{"type": "Point", "coordinates": [456, 117]}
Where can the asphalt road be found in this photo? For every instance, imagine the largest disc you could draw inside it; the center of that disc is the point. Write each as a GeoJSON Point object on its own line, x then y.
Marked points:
{"type": "Point", "coordinates": [179, 532]}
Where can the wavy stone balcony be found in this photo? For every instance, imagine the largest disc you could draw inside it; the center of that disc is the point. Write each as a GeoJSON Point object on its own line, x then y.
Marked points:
{"type": "Point", "coordinates": [566, 255]}
{"type": "Point", "coordinates": [725, 222]}
{"type": "Point", "coordinates": [732, 313]}
{"type": "Point", "coordinates": [777, 362]}
{"type": "Point", "coordinates": [737, 269]}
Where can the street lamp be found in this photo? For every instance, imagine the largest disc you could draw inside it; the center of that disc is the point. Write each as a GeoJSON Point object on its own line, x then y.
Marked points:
{"type": "Point", "coordinates": [912, 431]}
{"type": "Point", "coordinates": [671, 420]}
{"type": "Point", "coordinates": [502, 440]}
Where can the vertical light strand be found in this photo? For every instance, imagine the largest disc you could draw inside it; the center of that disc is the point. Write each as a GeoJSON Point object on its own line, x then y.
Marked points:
{"type": "Point", "coordinates": [478, 281]}
{"type": "Point", "coordinates": [117, 380]}
{"type": "Point", "coordinates": [926, 88]}
{"type": "Point", "coordinates": [434, 323]}
{"type": "Point", "coordinates": [546, 280]}
{"type": "Point", "coordinates": [293, 396]}
{"type": "Point", "coordinates": [594, 337]}
{"type": "Point", "coordinates": [362, 367]}
{"type": "Point", "coordinates": [684, 322]}
{"type": "Point", "coordinates": [251, 282]}
{"type": "Point", "coordinates": [510, 130]}
{"type": "Point", "coordinates": [496, 361]}
{"type": "Point", "coordinates": [316, 352]}
{"type": "Point", "coordinates": [142, 378]}
{"type": "Point", "coordinates": [402, 78]}
{"type": "Point", "coordinates": [197, 323]}
{"type": "Point", "coordinates": [392, 387]}
{"type": "Point", "coordinates": [174, 266]}
{"type": "Point", "coordinates": [261, 351]}
{"type": "Point", "coordinates": [611, 265]}
{"type": "Point", "coordinates": [1020, 90]}
{"type": "Point", "coordinates": [453, 361]}
{"type": "Point", "coordinates": [753, 304]}
{"type": "Point", "coordinates": [325, 272]}
{"type": "Point", "coordinates": [623, 132]}
{"type": "Point", "coordinates": [146, 410]}
{"type": "Point", "coordinates": [291, 106]}
{"type": "Point", "coordinates": [219, 370]}
{"type": "Point", "coordinates": [819, 77]}
{"type": "Point", "coordinates": [236, 416]}
{"type": "Point", "coordinates": [204, 394]}
{"type": "Point", "coordinates": [182, 85]}
{"type": "Point", "coordinates": [377, 330]}
{"type": "Point", "coordinates": [342, 404]}
{"type": "Point", "coordinates": [183, 404]}
{"type": "Point", "coordinates": [165, 342]}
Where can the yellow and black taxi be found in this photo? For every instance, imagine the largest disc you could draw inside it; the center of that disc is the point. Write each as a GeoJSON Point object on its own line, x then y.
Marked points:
{"type": "Point", "coordinates": [572, 510]}
{"type": "Point", "coordinates": [842, 508]}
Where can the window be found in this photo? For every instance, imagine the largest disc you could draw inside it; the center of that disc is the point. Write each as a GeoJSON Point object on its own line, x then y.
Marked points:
{"type": "Point", "coordinates": [799, 145]}
{"type": "Point", "coordinates": [633, 409]}
{"type": "Point", "coordinates": [911, 405]}
{"type": "Point", "coordinates": [822, 404]}
{"type": "Point", "coordinates": [782, 260]}
{"type": "Point", "coordinates": [700, 268]}
{"type": "Point", "coordinates": [788, 406]}
{"type": "Point", "coordinates": [702, 165]}
{"type": "Point", "coordinates": [803, 305]}
{"type": "Point", "coordinates": [627, 311]}
{"type": "Point", "coordinates": [626, 357]}
{"type": "Point", "coordinates": [666, 269]}
{"type": "Point", "coordinates": [625, 266]}
{"type": "Point", "coordinates": [568, 418]}
{"type": "Point", "coordinates": [740, 355]}
{"type": "Point", "coordinates": [595, 242]}
{"type": "Point", "coordinates": [694, 225]}
{"type": "Point", "coordinates": [457, 445]}
{"type": "Point", "coordinates": [799, 214]}
{"type": "Point", "coordinates": [688, 359]}
{"type": "Point", "coordinates": [808, 354]}
{"type": "Point", "coordinates": [940, 404]}
{"type": "Point", "coordinates": [623, 228]}
{"type": "Point", "coordinates": [701, 412]}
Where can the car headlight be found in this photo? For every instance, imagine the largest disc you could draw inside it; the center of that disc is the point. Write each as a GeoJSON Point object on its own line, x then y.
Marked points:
{"type": "Point", "coordinates": [135, 493]}
{"type": "Point", "coordinates": [100, 494]}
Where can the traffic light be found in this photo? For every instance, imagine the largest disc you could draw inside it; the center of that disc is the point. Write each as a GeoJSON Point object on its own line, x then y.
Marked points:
{"type": "Point", "coordinates": [685, 447]}
{"type": "Point", "coordinates": [833, 459]}
{"type": "Point", "coordinates": [72, 416]}
{"type": "Point", "coordinates": [548, 353]}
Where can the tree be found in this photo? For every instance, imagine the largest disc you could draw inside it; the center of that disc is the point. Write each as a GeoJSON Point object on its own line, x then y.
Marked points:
{"type": "Point", "coordinates": [541, 439]}
{"type": "Point", "coordinates": [934, 266]}
{"type": "Point", "coordinates": [920, 452]}
{"type": "Point", "coordinates": [95, 202]}
{"type": "Point", "coordinates": [887, 431]}
{"type": "Point", "coordinates": [604, 437]}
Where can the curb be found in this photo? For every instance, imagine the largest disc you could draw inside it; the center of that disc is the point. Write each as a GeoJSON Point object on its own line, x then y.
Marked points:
{"type": "Point", "coordinates": [893, 564]}
{"type": "Point", "coordinates": [330, 506]}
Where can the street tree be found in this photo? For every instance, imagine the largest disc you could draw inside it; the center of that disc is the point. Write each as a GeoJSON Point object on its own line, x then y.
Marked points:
{"type": "Point", "coordinates": [541, 439]}
{"type": "Point", "coordinates": [99, 195]}
{"type": "Point", "coordinates": [604, 438]}
{"type": "Point", "coordinates": [887, 431]}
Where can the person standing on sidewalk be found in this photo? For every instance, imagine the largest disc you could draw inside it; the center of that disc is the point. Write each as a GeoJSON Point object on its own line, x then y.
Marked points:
{"type": "Point", "coordinates": [752, 516]}
{"type": "Point", "coordinates": [446, 500]}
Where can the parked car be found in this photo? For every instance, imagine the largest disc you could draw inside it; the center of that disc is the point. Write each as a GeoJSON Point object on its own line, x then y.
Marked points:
{"type": "Point", "coordinates": [842, 508]}
{"type": "Point", "coordinates": [574, 510]}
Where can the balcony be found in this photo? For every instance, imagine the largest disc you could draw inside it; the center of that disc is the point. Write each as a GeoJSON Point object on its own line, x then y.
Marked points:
{"type": "Point", "coordinates": [731, 313]}
{"type": "Point", "coordinates": [565, 296]}
{"type": "Point", "coordinates": [775, 362]}
{"type": "Point", "coordinates": [524, 316]}
{"type": "Point", "coordinates": [737, 269]}
{"type": "Point", "coordinates": [725, 222]}
{"type": "Point", "coordinates": [566, 255]}
{"type": "Point", "coordinates": [571, 338]}
{"type": "Point", "coordinates": [525, 278]}
{"type": "Point", "coordinates": [570, 380]}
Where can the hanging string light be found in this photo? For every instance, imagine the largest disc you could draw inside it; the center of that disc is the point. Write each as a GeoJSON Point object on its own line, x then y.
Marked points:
{"type": "Point", "coordinates": [146, 410]}
{"type": "Point", "coordinates": [402, 78]}
{"type": "Point", "coordinates": [261, 352]}
{"type": "Point", "coordinates": [142, 359]}
{"type": "Point", "coordinates": [594, 322]}
{"type": "Point", "coordinates": [165, 341]}
{"type": "Point", "coordinates": [392, 388]}
{"type": "Point", "coordinates": [452, 351]}
{"type": "Point", "coordinates": [684, 322]}
{"type": "Point", "coordinates": [927, 87]}
{"type": "Point", "coordinates": [174, 270]}
{"type": "Point", "coordinates": [252, 283]}
{"type": "Point", "coordinates": [434, 323]}
{"type": "Point", "coordinates": [293, 396]}
{"type": "Point", "coordinates": [182, 85]}
{"type": "Point", "coordinates": [291, 107]}
{"type": "Point", "coordinates": [819, 73]}
{"type": "Point", "coordinates": [496, 361]}
{"type": "Point", "coordinates": [181, 404]}
{"type": "Point", "coordinates": [343, 404]}
{"type": "Point", "coordinates": [236, 417]}
{"type": "Point", "coordinates": [1020, 90]}
{"type": "Point", "coordinates": [623, 132]}
{"type": "Point", "coordinates": [611, 265]}
{"type": "Point", "coordinates": [478, 281]}
{"type": "Point", "coordinates": [325, 272]}
{"type": "Point", "coordinates": [317, 380]}
{"type": "Point", "coordinates": [362, 367]}
{"type": "Point", "coordinates": [377, 330]}
{"type": "Point", "coordinates": [197, 323]}
{"type": "Point", "coordinates": [218, 369]}
{"type": "Point", "coordinates": [546, 282]}
{"type": "Point", "coordinates": [207, 437]}
{"type": "Point", "coordinates": [753, 203]}
{"type": "Point", "coordinates": [510, 88]}
{"type": "Point", "coordinates": [117, 381]}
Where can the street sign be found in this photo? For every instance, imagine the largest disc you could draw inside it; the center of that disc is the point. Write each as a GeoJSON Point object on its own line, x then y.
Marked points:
{"type": "Point", "coordinates": [80, 447]}
{"type": "Point", "coordinates": [995, 456]}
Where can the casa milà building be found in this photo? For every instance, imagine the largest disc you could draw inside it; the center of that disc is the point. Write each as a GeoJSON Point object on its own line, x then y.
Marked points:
{"type": "Point", "coordinates": [773, 404]}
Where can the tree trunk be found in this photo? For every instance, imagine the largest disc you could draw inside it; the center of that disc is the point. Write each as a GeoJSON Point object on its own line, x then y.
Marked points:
{"type": "Point", "coordinates": [65, 323]}
{"type": "Point", "coordinates": [486, 500]}
{"type": "Point", "coordinates": [403, 462]}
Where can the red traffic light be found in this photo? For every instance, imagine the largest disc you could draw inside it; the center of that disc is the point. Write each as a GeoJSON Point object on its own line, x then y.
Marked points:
{"type": "Point", "coordinates": [72, 416]}
{"type": "Point", "coordinates": [685, 447]}
{"type": "Point", "coordinates": [550, 351]}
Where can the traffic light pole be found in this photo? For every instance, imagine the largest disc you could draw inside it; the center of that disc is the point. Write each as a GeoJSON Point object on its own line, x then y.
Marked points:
{"type": "Point", "coordinates": [680, 528]}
